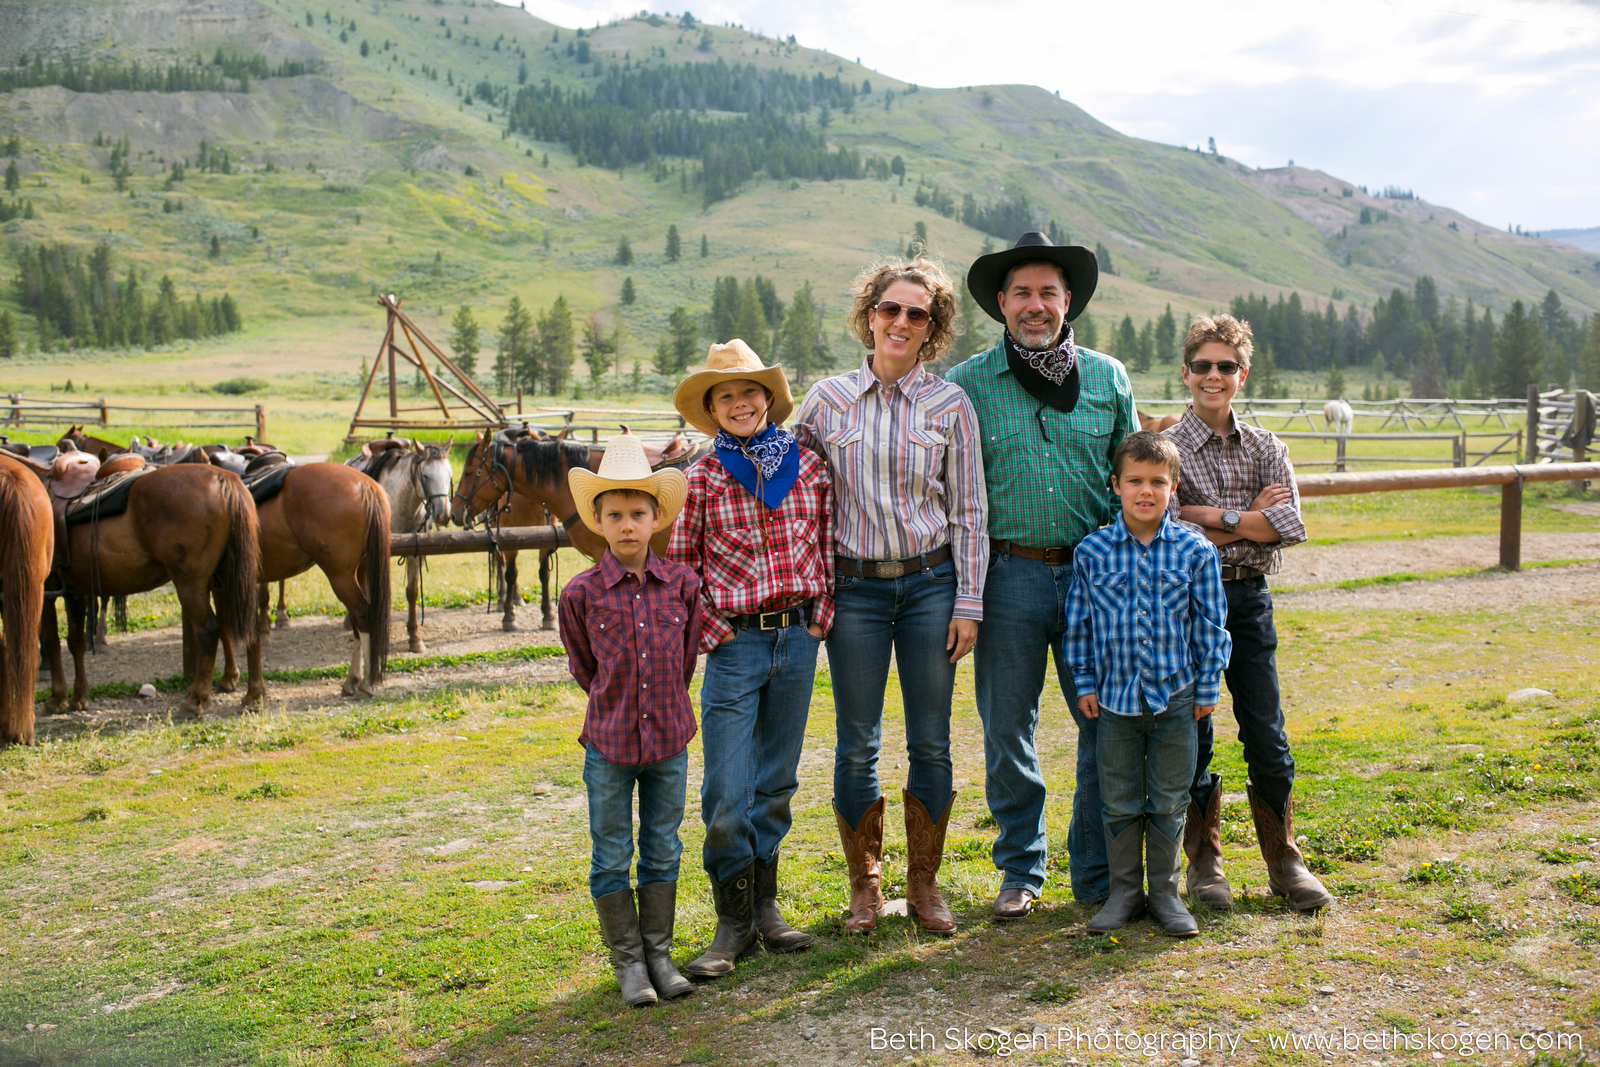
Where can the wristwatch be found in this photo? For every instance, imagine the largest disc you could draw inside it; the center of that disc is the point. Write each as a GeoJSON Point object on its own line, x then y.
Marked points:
{"type": "Point", "coordinates": [1230, 520]}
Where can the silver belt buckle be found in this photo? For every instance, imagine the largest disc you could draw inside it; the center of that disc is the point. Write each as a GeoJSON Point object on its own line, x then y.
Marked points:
{"type": "Point", "coordinates": [892, 569]}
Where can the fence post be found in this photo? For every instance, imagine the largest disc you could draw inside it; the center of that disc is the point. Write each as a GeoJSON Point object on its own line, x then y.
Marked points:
{"type": "Point", "coordinates": [1461, 449]}
{"type": "Point", "coordinates": [1531, 441]}
{"type": "Point", "coordinates": [105, 415]}
{"type": "Point", "coordinates": [1339, 454]}
{"type": "Point", "coordinates": [261, 422]}
{"type": "Point", "coordinates": [1511, 525]}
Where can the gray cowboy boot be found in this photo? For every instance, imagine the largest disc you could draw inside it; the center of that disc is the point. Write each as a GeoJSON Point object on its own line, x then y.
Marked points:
{"type": "Point", "coordinates": [619, 925]}
{"type": "Point", "coordinates": [658, 907]}
{"type": "Point", "coordinates": [1163, 858]}
{"type": "Point", "coordinates": [776, 934]}
{"type": "Point", "coordinates": [736, 926]}
{"type": "Point", "coordinates": [1202, 843]}
{"type": "Point", "coordinates": [1125, 856]}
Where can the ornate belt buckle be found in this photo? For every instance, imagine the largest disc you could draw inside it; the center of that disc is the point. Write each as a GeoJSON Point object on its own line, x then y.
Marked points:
{"type": "Point", "coordinates": [892, 569]}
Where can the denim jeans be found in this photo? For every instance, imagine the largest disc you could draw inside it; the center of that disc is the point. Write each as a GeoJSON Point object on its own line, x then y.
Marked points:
{"type": "Point", "coordinates": [661, 791]}
{"type": "Point", "coordinates": [1023, 620]}
{"type": "Point", "coordinates": [754, 699]}
{"type": "Point", "coordinates": [1252, 677]}
{"type": "Point", "coordinates": [1144, 766]}
{"type": "Point", "coordinates": [910, 617]}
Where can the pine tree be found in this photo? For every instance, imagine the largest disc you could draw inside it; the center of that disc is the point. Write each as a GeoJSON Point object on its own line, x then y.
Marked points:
{"type": "Point", "coordinates": [1147, 346]}
{"type": "Point", "coordinates": [1086, 333]}
{"type": "Point", "coordinates": [802, 344]}
{"type": "Point", "coordinates": [674, 245]}
{"type": "Point", "coordinates": [1589, 359]}
{"type": "Point", "coordinates": [1127, 341]}
{"type": "Point", "coordinates": [1519, 352]}
{"type": "Point", "coordinates": [628, 293]}
{"type": "Point", "coordinates": [599, 351]}
{"type": "Point", "coordinates": [8, 335]}
{"type": "Point", "coordinates": [685, 339]}
{"type": "Point", "coordinates": [1336, 383]}
{"type": "Point", "coordinates": [1427, 379]}
{"type": "Point", "coordinates": [751, 324]}
{"type": "Point", "coordinates": [515, 360]}
{"type": "Point", "coordinates": [624, 252]}
{"type": "Point", "coordinates": [556, 352]}
{"type": "Point", "coordinates": [1167, 337]}
{"type": "Point", "coordinates": [13, 178]}
{"type": "Point", "coordinates": [705, 247]}
{"type": "Point", "coordinates": [1263, 380]}
{"type": "Point", "coordinates": [464, 339]}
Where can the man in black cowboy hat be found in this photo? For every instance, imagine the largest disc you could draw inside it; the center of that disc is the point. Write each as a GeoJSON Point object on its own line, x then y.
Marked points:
{"type": "Point", "coordinates": [1050, 415]}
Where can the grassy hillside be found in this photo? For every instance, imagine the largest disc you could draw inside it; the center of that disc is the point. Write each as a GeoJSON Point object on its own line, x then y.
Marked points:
{"type": "Point", "coordinates": [373, 174]}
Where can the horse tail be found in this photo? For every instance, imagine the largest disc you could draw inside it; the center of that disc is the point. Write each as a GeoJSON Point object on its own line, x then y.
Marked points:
{"type": "Point", "coordinates": [239, 571]}
{"type": "Point", "coordinates": [376, 620]}
{"type": "Point", "coordinates": [25, 530]}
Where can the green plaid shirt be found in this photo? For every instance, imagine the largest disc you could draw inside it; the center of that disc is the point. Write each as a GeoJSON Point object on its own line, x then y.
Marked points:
{"type": "Point", "coordinates": [1047, 472]}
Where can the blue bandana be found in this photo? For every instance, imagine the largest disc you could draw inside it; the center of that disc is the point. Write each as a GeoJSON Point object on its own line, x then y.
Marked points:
{"type": "Point", "coordinates": [766, 464]}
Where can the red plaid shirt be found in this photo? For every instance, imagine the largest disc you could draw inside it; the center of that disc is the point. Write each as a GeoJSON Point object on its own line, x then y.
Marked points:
{"type": "Point", "coordinates": [632, 649]}
{"type": "Point", "coordinates": [752, 559]}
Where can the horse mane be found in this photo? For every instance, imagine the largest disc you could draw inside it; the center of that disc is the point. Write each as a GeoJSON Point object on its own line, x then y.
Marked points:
{"type": "Point", "coordinates": [550, 459]}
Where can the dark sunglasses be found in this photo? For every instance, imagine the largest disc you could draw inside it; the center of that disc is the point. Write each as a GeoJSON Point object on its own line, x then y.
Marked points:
{"type": "Point", "coordinates": [891, 309]}
{"type": "Point", "coordinates": [1227, 368]}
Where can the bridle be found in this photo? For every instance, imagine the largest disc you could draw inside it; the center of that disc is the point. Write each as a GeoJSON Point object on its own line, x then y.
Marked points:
{"type": "Point", "coordinates": [439, 516]}
{"type": "Point", "coordinates": [484, 474]}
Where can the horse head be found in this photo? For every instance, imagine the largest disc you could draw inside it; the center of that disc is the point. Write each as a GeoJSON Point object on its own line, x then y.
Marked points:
{"type": "Point", "coordinates": [430, 467]}
{"type": "Point", "coordinates": [485, 480]}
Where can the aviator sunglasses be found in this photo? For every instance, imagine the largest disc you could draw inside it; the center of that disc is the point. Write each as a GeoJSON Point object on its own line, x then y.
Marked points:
{"type": "Point", "coordinates": [1227, 368]}
{"type": "Point", "coordinates": [890, 309]}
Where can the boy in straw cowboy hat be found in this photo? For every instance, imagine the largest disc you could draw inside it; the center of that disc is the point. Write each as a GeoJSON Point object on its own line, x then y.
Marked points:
{"type": "Point", "coordinates": [757, 529]}
{"type": "Point", "coordinates": [631, 627]}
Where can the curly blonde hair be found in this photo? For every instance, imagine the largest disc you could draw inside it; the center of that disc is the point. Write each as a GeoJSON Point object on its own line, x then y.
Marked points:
{"type": "Point", "coordinates": [870, 284]}
{"type": "Point", "coordinates": [1226, 329]}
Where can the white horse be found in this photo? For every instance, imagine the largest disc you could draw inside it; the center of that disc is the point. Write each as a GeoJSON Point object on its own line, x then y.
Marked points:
{"type": "Point", "coordinates": [1337, 416]}
{"type": "Point", "coordinates": [416, 479]}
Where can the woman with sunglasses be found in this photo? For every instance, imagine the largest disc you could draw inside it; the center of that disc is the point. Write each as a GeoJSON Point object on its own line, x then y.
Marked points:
{"type": "Point", "coordinates": [909, 518]}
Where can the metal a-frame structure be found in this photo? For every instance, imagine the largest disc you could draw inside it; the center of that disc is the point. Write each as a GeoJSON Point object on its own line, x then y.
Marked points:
{"type": "Point", "coordinates": [466, 408]}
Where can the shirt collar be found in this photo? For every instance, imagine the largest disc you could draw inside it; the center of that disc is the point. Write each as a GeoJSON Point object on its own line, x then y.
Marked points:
{"type": "Point", "coordinates": [865, 379]}
{"type": "Point", "coordinates": [1120, 532]}
{"type": "Point", "coordinates": [612, 572]}
{"type": "Point", "coordinates": [1194, 430]}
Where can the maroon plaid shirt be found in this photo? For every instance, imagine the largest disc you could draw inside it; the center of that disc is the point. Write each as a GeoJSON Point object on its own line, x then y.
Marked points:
{"type": "Point", "coordinates": [753, 559]}
{"type": "Point", "coordinates": [632, 649]}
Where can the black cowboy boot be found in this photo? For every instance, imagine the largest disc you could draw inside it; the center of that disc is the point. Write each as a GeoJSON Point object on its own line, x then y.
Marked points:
{"type": "Point", "coordinates": [619, 925]}
{"type": "Point", "coordinates": [658, 906]}
{"type": "Point", "coordinates": [776, 934]}
{"type": "Point", "coordinates": [736, 926]}
{"type": "Point", "coordinates": [1202, 843]}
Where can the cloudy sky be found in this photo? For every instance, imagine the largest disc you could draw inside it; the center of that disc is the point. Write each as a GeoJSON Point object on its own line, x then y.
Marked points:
{"type": "Point", "coordinates": [1488, 106]}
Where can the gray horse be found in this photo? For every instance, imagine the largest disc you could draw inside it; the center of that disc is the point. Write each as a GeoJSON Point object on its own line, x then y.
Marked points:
{"type": "Point", "coordinates": [416, 479]}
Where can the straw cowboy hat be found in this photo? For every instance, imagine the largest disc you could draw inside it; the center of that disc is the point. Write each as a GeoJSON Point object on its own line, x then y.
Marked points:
{"type": "Point", "coordinates": [988, 273]}
{"type": "Point", "coordinates": [623, 466]}
{"type": "Point", "coordinates": [723, 362]}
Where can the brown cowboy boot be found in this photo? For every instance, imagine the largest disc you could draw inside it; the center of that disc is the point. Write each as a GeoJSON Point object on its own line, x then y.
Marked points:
{"type": "Point", "coordinates": [863, 852]}
{"type": "Point", "coordinates": [1287, 875]}
{"type": "Point", "coordinates": [924, 854]}
{"type": "Point", "coordinates": [735, 936]}
{"type": "Point", "coordinates": [1202, 843]}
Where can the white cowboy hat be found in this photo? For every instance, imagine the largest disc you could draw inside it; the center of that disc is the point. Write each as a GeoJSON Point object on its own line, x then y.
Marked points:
{"type": "Point", "coordinates": [623, 466]}
{"type": "Point", "coordinates": [724, 362]}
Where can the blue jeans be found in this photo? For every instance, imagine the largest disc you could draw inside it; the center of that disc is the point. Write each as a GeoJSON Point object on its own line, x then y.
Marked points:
{"type": "Point", "coordinates": [1023, 620]}
{"type": "Point", "coordinates": [661, 791]}
{"type": "Point", "coordinates": [910, 617]}
{"type": "Point", "coordinates": [754, 700]}
{"type": "Point", "coordinates": [1252, 677]}
{"type": "Point", "coordinates": [1145, 762]}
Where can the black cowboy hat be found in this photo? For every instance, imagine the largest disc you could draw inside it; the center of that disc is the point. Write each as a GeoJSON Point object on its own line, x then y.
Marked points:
{"type": "Point", "coordinates": [988, 273]}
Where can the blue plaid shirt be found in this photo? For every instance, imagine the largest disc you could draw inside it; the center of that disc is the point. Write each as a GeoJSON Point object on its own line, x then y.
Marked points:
{"type": "Point", "coordinates": [1145, 620]}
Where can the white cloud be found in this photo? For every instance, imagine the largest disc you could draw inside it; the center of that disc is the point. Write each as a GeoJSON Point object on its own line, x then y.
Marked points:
{"type": "Point", "coordinates": [1489, 106]}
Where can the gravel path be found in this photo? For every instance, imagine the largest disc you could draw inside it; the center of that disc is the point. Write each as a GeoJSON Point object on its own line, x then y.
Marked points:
{"type": "Point", "coordinates": [1316, 564]}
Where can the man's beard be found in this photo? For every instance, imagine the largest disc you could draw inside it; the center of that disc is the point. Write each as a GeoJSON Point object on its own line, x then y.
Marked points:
{"type": "Point", "coordinates": [1036, 339]}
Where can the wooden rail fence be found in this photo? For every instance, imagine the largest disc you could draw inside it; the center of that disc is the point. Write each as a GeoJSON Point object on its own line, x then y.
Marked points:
{"type": "Point", "coordinates": [21, 411]}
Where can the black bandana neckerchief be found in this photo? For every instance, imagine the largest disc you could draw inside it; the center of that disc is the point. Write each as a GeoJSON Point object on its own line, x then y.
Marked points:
{"type": "Point", "coordinates": [1051, 375]}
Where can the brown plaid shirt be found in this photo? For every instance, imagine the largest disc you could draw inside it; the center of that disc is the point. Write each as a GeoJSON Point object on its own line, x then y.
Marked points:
{"type": "Point", "coordinates": [1229, 472]}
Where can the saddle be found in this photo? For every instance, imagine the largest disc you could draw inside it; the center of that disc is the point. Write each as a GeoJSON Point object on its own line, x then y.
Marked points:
{"type": "Point", "coordinates": [510, 436]}
{"type": "Point", "coordinates": [122, 461]}
{"type": "Point", "coordinates": [252, 448]}
{"type": "Point", "coordinates": [228, 460]}
{"type": "Point", "coordinates": [374, 455]}
{"type": "Point", "coordinates": [105, 498]}
{"type": "Point", "coordinates": [264, 477]}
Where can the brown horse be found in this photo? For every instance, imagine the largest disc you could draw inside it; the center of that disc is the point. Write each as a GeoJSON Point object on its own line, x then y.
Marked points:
{"type": "Point", "coordinates": [189, 525]}
{"type": "Point", "coordinates": [27, 542]}
{"type": "Point", "coordinates": [331, 517]}
{"type": "Point", "coordinates": [521, 481]}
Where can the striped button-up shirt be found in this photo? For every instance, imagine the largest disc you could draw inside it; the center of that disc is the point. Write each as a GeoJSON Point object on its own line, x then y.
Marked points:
{"type": "Point", "coordinates": [907, 471]}
{"type": "Point", "coordinates": [750, 557]}
{"type": "Point", "coordinates": [1230, 472]}
{"type": "Point", "coordinates": [1146, 620]}
{"type": "Point", "coordinates": [632, 647]}
{"type": "Point", "coordinates": [1047, 470]}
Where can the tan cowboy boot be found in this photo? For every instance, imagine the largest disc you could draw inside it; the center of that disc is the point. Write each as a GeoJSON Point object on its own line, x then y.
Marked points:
{"type": "Point", "coordinates": [1202, 844]}
{"type": "Point", "coordinates": [924, 854]}
{"type": "Point", "coordinates": [863, 852]}
{"type": "Point", "coordinates": [1287, 875]}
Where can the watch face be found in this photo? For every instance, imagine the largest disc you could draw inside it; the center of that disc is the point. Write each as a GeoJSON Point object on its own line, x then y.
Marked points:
{"type": "Point", "coordinates": [1230, 519]}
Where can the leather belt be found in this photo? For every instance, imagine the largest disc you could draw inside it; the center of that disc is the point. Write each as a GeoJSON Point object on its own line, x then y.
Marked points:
{"type": "Point", "coordinates": [890, 568]}
{"type": "Point", "coordinates": [771, 620]}
{"type": "Point", "coordinates": [1053, 557]}
{"type": "Point", "coordinates": [1231, 573]}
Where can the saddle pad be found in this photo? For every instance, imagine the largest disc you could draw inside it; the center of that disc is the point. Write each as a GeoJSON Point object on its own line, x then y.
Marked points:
{"type": "Point", "coordinates": [266, 482]}
{"type": "Point", "coordinates": [104, 499]}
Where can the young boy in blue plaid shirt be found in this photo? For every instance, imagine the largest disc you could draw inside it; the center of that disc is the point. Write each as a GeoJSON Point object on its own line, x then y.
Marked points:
{"type": "Point", "coordinates": [1146, 642]}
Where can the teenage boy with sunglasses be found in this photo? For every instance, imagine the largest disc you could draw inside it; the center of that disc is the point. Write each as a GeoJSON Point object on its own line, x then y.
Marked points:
{"type": "Point", "coordinates": [1238, 487]}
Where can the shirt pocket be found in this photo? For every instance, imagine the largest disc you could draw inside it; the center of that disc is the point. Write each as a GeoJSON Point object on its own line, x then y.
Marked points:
{"type": "Point", "coordinates": [804, 549]}
{"type": "Point", "coordinates": [1108, 601]}
{"type": "Point", "coordinates": [1173, 588]}
{"type": "Point", "coordinates": [925, 458]}
{"type": "Point", "coordinates": [608, 633]}
{"type": "Point", "coordinates": [666, 640]}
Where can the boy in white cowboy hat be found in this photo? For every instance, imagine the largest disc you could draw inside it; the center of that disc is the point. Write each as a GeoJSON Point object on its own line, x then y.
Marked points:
{"type": "Point", "coordinates": [631, 627]}
{"type": "Point", "coordinates": [757, 528]}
